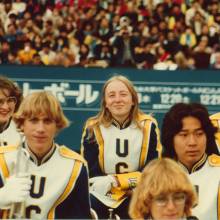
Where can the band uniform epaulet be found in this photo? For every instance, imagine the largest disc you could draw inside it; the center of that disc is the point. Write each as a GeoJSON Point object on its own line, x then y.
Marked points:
{"type": "Point", "coordinates": [214, 160]}
{"type": "Point", "coordinates": [6, 149]}
{"type": "Point", "coordinates": [90, 122]}
{"type": "Point", "coordinates": [142, 117]}
{"type": "Point", "coordinates": [215, 116]}
{"type": "Point", "coordinates": [68, 153]}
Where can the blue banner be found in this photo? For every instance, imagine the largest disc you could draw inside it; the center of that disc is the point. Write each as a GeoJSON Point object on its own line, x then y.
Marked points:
{"type": "Point", "coordinates": [79, 91]}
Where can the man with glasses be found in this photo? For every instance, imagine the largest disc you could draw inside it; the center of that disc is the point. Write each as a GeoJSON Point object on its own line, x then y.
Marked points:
{"type": "Point", "coordinates": [188, 136]}
{"type": "Point", "coordinates": [10, 99]}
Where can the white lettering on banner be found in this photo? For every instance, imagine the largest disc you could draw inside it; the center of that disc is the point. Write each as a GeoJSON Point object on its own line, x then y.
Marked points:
{"type": "Point", "coordinates": [84, 95]}
{"type": "Point", "coordinates": [177, 89]}
{"type": "Point", "coordinates": [173, 98]}
{"type": "Point", "coordinates": [144, 98]}
{"type": "Point", "coordinates": [210, 99]}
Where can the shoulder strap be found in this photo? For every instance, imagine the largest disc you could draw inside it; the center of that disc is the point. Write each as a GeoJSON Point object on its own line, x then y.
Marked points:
{"type": "Point", "coordinates": [6, 149]}
{"type": "Point", "coordinates": [214, 160]}
{"type": "Point", "coordinates": [68, 153]}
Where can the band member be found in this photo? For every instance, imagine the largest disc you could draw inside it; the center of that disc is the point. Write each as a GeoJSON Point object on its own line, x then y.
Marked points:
{"type": "Point", "coordinates": [117, 144]}
{"type": "Point", "coordinates": [55, 185]}
{"type": "Point", "coordinates": [164, 192]}
{"type": "Point", "coordinates": [188, 136]}
{"type": "Point", "coordinates": [10, 99]}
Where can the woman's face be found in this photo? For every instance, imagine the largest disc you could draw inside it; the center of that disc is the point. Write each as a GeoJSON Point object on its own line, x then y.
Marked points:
{"type": "Point", "coordinates": [7, 106]}
{"type": "Point", "coordinates": [168, 206]}
{"type": "Point", "coordinates": [118, 100]}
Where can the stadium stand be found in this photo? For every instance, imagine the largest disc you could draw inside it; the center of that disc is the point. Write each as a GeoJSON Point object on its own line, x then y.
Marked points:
{"type": "Point", "coordinates": [144, 34]}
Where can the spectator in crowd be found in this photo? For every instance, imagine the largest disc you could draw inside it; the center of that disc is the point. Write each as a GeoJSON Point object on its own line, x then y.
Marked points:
{"type": "Point", "coordinates": [117, 143]}
{"type": "Point", "coordinates": [64, 57]}
{"type": "Point", "coordinates": [6, 10]}
{"type": "Point", "coordinates": [188, 38]}
{"type": "Point", "coordinates": [191, 12]}
{"type": "Point", "coordinates": [165, 60]}
{"type": "Point", "coordinates": [188, 136]}
{"type": "Point", "coordinates": [171, 44]}
{"type": "Point", "coordinates": [37, 42]}
{"type": "Point", "coordinates": [202, 53]}
{"type": "Point", "coordinates": [163, 193]}
{"type": "Point", "coordinates": [124, 44]}
{"type": "Point", "coordinates": [36, 60]}
{"type": "Point", "coordinates": [47, 193]}
{"type": "Point", "coordinates": [47, 54]}
{"type": "Point", "coordinates": [11, 36]}
{"type": "Point", "coordinates": [182, 62]}
{"type": "Point", "coordinates": [215, 58]}
{"type": "Point", "coordinates": [83, 55]}
{"type": "Point", "coordinates": [5, 51]}
{"type": "Point", "coordinates": [103, 51]}
{"type": "Point", "coordinates": [26, 54]}
{"type": "Point", "coordinates": [212, 33]}
{"type": "Point", "coordinates": [175, 15]}
{"type": "Point", "coordinates": [12, 58]}
{"type": "Point", "coordinates": [10, 99]}
{"type": "Point", "coordinates": [104, 30]}
{"type": "Point", "coordinates": [145, 57]}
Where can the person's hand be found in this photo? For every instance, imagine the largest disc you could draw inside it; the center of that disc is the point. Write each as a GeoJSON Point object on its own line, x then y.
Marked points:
{"type": "Point", "coordinates": [102, 184]}
{"type": "Point", "coordinates": [16, 189]}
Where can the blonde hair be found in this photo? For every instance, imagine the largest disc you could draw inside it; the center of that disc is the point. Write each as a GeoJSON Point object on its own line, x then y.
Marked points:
{"type": "Point", "coordinates": [160, 176]}
{"type": "Point", "coordinates": [104, 116]}
{"type": "Point", "coordinates": [41, 103]}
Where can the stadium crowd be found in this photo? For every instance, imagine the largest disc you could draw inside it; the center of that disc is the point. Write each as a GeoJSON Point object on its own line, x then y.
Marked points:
{"type": "Point", "coordinates": [144, 34]}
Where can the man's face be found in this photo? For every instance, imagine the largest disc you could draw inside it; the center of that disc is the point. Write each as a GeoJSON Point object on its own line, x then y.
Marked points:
{"type": "Point", "coordinates": [39, 132]}
{"type": "Point", "coordinates": [190, 142]}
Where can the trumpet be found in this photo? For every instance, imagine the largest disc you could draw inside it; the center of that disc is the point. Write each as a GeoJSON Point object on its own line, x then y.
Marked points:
{"type": "Point", "coordinates": [113, 216]}
{"type": "Point", "coordinates": [17, 210]}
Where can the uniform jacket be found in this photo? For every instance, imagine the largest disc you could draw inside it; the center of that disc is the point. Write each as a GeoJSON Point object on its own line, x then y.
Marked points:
{"type": "Point", "coordinates": [122, 151]}
{"type": "Point", "coordinates": [59, 182]}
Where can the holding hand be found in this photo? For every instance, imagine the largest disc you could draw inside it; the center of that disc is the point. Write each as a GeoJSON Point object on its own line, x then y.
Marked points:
{"type": "Point", "coordinates": [102, 184]}
{"type": "Point", "coordinates": [16, 189]}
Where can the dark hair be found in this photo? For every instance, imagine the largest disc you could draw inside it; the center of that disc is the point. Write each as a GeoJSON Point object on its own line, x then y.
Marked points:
{"type": "Point", "coordinates": [172, 124]}
{"type": "Point", "coordinates": [13, 89]}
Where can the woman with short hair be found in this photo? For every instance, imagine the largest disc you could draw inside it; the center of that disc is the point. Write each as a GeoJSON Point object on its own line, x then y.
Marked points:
{"type": "Point", "coordinates": [163, 193]}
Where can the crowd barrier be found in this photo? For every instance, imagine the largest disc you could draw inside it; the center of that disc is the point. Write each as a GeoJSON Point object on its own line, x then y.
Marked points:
{"type": "Point", "coordinates": [79, 90]}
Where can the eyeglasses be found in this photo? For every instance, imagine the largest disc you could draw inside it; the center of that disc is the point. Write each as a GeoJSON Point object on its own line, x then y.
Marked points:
{"type": "Point", "coordinates": [9, 100]}
{"type": "Point", "coordinates": [178, 198]}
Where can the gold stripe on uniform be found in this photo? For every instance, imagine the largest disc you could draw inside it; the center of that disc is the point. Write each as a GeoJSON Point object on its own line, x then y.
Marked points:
{"type": "Point", "coordinates": [217, 134]}
{"type": "Point", "coordinates": [100, 141]}
{"type": "Point", "coordinates": [5, 214]}
{"type": "Point", "coordinates": [218, 203]}
{"type": "Point", "coordinates": [67, 190]}
{"type": "Point", "coordinates": [216, 122]}
{"type": "Point", "coordinates": [82, 147]}
{"type": "Point", "coordinates": [145, 143]}
{"type": "Point", "coordinates": [4, 167]}
{"type": "Point", "coordinates": [5, 173]}
{"type": "Point", "coordinates": [199, 163]}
